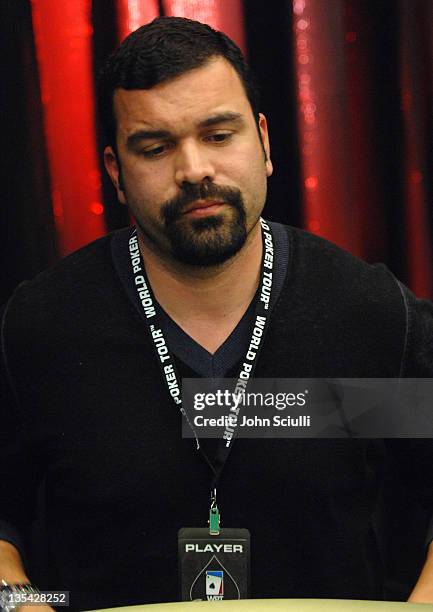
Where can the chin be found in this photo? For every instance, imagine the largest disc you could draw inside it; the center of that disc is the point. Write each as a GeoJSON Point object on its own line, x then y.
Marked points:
{"type": "Point", "coordinates": [208, 243]}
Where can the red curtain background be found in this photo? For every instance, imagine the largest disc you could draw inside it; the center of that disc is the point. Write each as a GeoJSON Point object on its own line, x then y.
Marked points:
{"type": "Point", "coordinates": [347, 86]}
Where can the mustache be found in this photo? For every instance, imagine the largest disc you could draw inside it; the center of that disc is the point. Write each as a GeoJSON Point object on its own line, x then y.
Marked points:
{"type": "Point", "coordinates": [173, 209]}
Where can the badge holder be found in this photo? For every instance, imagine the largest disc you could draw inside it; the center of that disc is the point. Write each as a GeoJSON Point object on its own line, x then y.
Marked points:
{"type": "Point", "coordinates": [214, 563]}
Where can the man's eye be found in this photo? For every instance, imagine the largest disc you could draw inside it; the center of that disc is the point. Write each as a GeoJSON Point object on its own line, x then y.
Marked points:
{"type": "Point", "coordinates": [156, 151]}
{"type": "Point", "coordinates": [220, 138]}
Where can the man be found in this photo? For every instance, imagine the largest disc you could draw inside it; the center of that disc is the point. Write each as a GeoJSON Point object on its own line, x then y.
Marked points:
{"type": "Point", "coordinates": [89, 407]}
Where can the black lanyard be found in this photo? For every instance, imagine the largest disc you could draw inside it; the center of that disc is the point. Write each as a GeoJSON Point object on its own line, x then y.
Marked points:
{"type": "Point", "coordinates": [165, 358]}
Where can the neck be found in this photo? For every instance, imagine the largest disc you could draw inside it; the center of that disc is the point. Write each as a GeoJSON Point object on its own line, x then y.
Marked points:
{"type": "Point", "coordinates": [206, 300]}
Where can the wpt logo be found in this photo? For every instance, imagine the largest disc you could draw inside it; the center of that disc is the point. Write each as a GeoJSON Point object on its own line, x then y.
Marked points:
{"type": "Point", "coordinates": [214, 585]}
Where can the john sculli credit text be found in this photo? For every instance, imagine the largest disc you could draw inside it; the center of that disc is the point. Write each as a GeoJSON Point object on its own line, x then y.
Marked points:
{"type": "Point", "coordinates": [253, 421]}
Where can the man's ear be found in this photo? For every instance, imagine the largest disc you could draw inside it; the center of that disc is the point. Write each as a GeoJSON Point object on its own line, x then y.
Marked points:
{"type": "Point", "coordinates": [114, 170]}
{"type": "Point", "coordinates": [263, 128]}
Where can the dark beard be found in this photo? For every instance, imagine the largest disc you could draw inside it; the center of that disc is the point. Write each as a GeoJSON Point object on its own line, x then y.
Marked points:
{"type": "Point", "coordinates": [209, 241]}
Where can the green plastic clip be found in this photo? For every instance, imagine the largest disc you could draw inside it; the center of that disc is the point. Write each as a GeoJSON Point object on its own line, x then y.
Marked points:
{"type": "Point", "coordinates": [214, 521]}
{"type": "Point", "coordinates": [214, 515]}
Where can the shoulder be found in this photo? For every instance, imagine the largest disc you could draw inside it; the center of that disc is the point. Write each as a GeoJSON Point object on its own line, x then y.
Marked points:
{"type": "Point", "coordinates": [74, 267]}
{"type": "Point", "coordinates": [349, 316]}
{"type": "Point", "coordinates": [84, 277]}
{"type": "Point", "coordinates": [324, 266]}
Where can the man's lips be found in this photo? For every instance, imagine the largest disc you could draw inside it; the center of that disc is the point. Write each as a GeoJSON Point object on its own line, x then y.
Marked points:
{"type": "Point", "coordinates": [199, 205]}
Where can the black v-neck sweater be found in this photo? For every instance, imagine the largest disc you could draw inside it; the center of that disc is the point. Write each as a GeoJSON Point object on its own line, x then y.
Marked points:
{"type": "Point", "coordinates": [86, 409]}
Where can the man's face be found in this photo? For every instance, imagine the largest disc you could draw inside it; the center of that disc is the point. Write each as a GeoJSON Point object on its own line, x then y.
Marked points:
{"type": "Point", "coordinates": [193, 169]}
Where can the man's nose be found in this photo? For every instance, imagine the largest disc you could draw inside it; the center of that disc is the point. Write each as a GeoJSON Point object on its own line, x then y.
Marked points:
{"type": "Point", "coordinates": [193, 164]}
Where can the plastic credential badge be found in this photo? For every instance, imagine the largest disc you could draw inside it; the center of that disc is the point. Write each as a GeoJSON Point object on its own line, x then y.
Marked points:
{"type": "Point", "coordinates": [214, 567]}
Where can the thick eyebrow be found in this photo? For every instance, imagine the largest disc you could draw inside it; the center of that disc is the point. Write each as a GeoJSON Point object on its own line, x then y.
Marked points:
{"type": "Point", "coordinates": [140, 135]}
{"type": "Point", "coordinates": [136, 137]}
{"type": "Point", "coordinates": [229, 116]}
